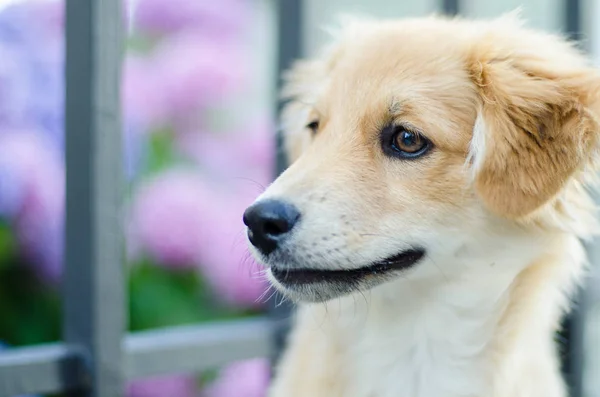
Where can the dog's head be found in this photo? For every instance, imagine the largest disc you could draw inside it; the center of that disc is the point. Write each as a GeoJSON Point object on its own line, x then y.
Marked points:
{"type": "Point", "coordinates": [415, 141]}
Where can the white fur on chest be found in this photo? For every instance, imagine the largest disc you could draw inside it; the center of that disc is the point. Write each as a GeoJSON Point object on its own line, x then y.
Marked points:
{"type": "Point", "coordinates": [423, 336]}
{"type": "Point", "coordinates": [409, 352]}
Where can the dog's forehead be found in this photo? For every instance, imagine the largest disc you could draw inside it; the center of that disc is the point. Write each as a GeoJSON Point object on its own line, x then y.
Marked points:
{"type": "Point", "coordinates": [389, 73]}
{"type": "Point", "coordinates": [403, 45]}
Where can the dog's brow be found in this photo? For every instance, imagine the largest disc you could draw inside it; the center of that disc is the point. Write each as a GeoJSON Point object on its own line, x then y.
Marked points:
{"type": "Point", "coordinates": [313, 107]}
{"type": "Point", "coordinates": [310, 102]}
{"type": "Point", "coordinates": [395, 107]}
{"type": "Point", "coordinates": [306, 103]}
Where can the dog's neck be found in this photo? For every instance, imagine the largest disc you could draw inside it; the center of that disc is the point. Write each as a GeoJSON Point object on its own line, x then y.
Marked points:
{"type": "Point", "coordinates": [486, 333]}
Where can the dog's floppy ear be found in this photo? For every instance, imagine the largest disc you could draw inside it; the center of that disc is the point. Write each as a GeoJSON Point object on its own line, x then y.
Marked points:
{"type": "Point", "coordinates": [536, 128]}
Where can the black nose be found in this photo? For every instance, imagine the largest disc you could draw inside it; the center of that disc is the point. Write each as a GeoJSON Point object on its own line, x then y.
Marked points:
{"type": "Point", "coordinates": [269, 222]}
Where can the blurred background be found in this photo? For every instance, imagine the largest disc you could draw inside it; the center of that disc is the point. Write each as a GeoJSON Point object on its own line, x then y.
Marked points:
{"type": "Point", "coordinates": [199, 96]}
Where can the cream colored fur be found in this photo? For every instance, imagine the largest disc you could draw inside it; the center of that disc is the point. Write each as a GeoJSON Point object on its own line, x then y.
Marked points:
{"type": "Point", "coordinates": [499, 204]}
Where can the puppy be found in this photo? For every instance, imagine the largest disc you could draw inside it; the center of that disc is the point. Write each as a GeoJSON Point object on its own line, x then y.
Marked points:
{"type": "Point", "coordinates": [430, 224]}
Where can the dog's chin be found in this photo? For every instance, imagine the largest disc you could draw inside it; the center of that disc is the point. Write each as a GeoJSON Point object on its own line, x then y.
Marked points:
{"type": "Point", "coordinates": [320, 285]}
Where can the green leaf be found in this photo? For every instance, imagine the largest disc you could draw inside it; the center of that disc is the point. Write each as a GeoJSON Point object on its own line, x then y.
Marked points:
{"type": "Point", "coordinates": [161, 152]}
{"type": "Point", "coordinates": [30, 310]}
{"type": "Point", "coordinates": [207, 377]}
{"type": "Point", "coordinates": [160, 297]}
{"type": "Point", "coordinates": [141, 44]}
{"type": "Point", "coordinates": [8, 244]}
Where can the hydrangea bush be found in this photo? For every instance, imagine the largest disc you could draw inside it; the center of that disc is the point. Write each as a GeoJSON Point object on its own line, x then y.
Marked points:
{"type": "Point", "coordinates": [192, 164]}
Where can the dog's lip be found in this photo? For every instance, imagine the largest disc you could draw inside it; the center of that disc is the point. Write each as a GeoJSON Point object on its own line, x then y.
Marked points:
{"type": "Point", "coordinates": [304, 276]}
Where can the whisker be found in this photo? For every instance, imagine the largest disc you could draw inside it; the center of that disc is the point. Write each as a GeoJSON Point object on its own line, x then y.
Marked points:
{"type": "Point", "coordinates": [256, 183]}
{"type": "Point", "coordinates": [282, 301]}
{"type": "Point", "coordinates": [271, 296]}
{"type": "Point", "coordinates": [262, 296]}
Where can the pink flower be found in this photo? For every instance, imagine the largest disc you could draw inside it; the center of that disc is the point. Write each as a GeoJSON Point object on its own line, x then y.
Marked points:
{"type": "Point", "coordinates": [194, 71]}
{"type": "Point", "coordinates": [34, 195]}
{"type": "Point", "coordinates": [181, 221]}
{"type": "Point", "coordinates": [143, 98]}
{"type": "Point", "coordinates": [181, 77]}
{"type": "Point", "coordinates": [242, 379]}
{"type": "Point", "coordinates": [249, 157]}
{"type": "Point", "coordinates": [224, 257]}
{"type": "Point", "coordinates": [168, 219]}
{"type": "Point", "coordinates": [163, 386]}
{"type": "Point", "coordinates": [167, 16]}
{"type": "Point", "coordinates": [240, 164]}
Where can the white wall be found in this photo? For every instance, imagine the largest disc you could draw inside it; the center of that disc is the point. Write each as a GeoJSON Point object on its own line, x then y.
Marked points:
{"type": "Point", "coordinates": [319, 14]}
{"type": "Point", "coordinates": [542, 14]}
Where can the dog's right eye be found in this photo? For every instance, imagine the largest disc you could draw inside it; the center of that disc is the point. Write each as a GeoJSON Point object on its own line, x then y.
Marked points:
{"type": "Point", "coordinates": [402, 142]}
{"type": "Point", "coordinates": [313, 126]}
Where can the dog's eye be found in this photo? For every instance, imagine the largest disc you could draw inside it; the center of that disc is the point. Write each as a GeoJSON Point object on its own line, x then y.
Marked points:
{"type": "Point", "coordinates": [313, 126]}
{"type": "Point", "coordinates": [406, 144]}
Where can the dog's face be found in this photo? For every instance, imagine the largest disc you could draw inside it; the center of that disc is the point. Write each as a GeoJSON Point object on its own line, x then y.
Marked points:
{"type": "Point", "coordinates": [413, 142]}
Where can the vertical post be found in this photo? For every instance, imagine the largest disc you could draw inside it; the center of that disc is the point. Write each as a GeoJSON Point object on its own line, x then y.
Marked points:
{"type": "Point", "coordinates": [94, 304]}
{"type": "Point", "coordinates": [289, 49]}
{"type": "Point", "coordinates": [451, 7]}
{"type": "Point", "coordinates": [289, 30]}
{"type": "Point", "coordinates": [572, 12]}
{"type": "Point", "coordinates": [573, 324]}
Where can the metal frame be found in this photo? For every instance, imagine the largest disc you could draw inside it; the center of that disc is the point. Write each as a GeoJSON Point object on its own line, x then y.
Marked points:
{"type": "Point", "coordinates": [289, 13]}
{"type": "Point", "coordinates": [97, 356]}
{"type": "Point", "coordinates": [59, 367]}
{"type": "Point", "coordinates": [451, 7]}
{"type": "Point", "coordinates": [573, 324]}
{"type": "Point", "coordinates": [94, 278]}
{"type": "Point", "coordinates": [572, 10]}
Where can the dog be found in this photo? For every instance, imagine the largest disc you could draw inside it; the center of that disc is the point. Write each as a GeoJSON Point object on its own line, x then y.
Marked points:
{"type": "Point", "coordinates": [430, 226]}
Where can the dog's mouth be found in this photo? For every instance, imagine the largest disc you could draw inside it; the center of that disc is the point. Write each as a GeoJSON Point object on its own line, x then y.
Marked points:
{"type": "Point", "coordinates": [347, 280]}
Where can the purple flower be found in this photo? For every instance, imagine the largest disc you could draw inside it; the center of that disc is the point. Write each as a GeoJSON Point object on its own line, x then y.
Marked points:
{"type": "Point", "coordinates": [16, 26]}
{"type": "Point", "coordinates": [32, 69]}
{"type": "Point", "coordinates": [32, 174]}
{"type": "Point", "coordinates": [14, 83]}
{"type": "Point", "coordinates": [168, 219]}
{"type": "Point", "coordinates": [31, 78]}
{"type": "Point", "coordinates": [33, 197]}
{"type": "Point", "coordinates": [163, 386]}
{"type": "Point", "coordinates": [221, 17]}
{"type": "Point", "coordinates": [242, 379]}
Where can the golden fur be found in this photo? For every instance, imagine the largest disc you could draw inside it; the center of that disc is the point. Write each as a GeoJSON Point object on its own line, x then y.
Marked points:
{"type": "Point", "coordinates": [499, 202]}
